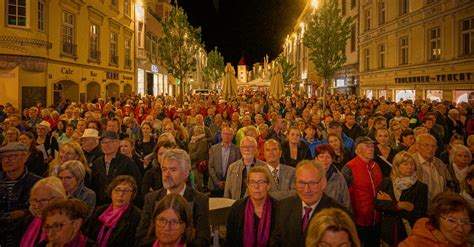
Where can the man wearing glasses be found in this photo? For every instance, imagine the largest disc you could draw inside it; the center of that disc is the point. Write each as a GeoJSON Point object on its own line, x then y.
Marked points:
{"type": "Point", "coordinates": [111, 165]}
{"type": "Point", "coordinates": [15, 185]}
{"type": "Point", "coordinates": [236, 180]}
{"type": "Point", "coordinates": [296, 211]}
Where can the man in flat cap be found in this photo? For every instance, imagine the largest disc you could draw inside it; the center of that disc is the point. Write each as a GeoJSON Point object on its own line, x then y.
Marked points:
{"type": "Point", "coordinates": [15, 185]}
{"type": "Point", "coordinates": [111, 165]}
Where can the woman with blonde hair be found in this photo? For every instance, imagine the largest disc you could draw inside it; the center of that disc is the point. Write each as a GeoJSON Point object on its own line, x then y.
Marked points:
{"type": "Point", "coordinates": [42, 194]}
{"type": "Point", "coordinates": [332, 227]}
{"type": "Point", "coordinates": [11, 135]}
{"type": "Point", "coordinates": [402, 199]}
{"type": "Point", "coordinates": [459, 160]}
{"type": "Point", "coordinates": [70, 151]}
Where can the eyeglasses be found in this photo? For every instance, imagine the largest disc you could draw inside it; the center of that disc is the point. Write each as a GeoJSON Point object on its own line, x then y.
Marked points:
{"type": "Point", "coordinates": [256, 184]}
{"type": "Point", "coordinates": [40, 201]}
{"type": "Point", "coordinates": [119, 191]}
{"type": "Point", "coordinates": [10, 157]}
{"type": "Point", "coordinates": [248, 147]}
{"type": "Point", "coordinates": [174, 224]}
{"type": "Point", "coordinates": [56, 227]}
{"type": "Point", "coordinates": [453, 222]}
{"type": "Point", "coordinates": [312, 185]}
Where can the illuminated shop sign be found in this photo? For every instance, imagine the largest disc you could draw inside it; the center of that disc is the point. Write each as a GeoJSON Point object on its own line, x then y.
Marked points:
{"type": "Point", "coordinates": [455, 77]}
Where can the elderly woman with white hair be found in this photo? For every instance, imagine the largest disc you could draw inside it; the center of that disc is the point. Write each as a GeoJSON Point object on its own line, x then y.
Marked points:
{"type": "Point", "coordinates": [459, 159]}
{"type": "Point", "coordinates": [42, 194]}
{"type": "Point", "coordinates": [72, 174]}
{"type": "Point", "coordinates": [45, 141]}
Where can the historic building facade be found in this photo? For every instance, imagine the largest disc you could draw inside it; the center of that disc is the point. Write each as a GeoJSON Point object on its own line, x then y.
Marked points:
{"type": "Point", "coordinates": [53, 50]}
{"type": "Point", "coordinates": [417, 49]}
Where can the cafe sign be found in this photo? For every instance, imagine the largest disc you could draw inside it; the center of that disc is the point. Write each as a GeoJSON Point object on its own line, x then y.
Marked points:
{"type": "Point", "coordinates": [454, 77]}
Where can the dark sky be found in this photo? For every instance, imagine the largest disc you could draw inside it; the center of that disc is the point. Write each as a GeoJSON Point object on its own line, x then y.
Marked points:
{"type": "Point", "coordinates": [252, 27]}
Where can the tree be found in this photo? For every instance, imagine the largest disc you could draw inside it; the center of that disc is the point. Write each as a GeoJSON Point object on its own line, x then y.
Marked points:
{"type": "Point", "coordinates": [214, 69]}
{"type": "Point", "coordinates": [326, 39]}
{"type": "Point", "coordinates": [179, 45]}
{"type": "Point", "coordinates": [288, 69]}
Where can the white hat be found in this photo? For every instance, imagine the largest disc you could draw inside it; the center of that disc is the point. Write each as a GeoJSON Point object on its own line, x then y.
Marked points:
{"type": "Point", "coordinates": [90, 133]}
{"type": "Point", "coordinates": [46, 124]}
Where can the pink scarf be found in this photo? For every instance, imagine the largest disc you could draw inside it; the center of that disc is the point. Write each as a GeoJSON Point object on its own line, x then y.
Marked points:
{"type": "Point", "coordinates": [263, 231]}
{"type": "Point", "coordinates": [109, 218]}
{"type": "Point", "coordinates": [80, 240]}
{"type": "Point", "coordinates": [157, 244]}
{"type": "Point", "coordinates": [31, 234]}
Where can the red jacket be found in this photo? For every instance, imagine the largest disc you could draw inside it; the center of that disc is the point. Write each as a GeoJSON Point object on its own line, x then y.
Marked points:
{"type": "Point", "coordinates": [366, 180]}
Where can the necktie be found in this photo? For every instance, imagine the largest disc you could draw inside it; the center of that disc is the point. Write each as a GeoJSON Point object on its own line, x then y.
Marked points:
{"type": "Point", "coordinates": [276, 179]}
{"type": "Point", "coordinates": [307, 213]}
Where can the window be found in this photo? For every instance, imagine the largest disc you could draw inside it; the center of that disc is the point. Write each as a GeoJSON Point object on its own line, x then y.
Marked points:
{"type": "Point", "coordinates": [467, 37]}
{"type": "Point", "coordinates": [353, 38]}
{"type": "Point", "coordinates": [353, 4]}
{"type": "Point", "coordinates": [381, 7]}
{"type": "Point", "coordinates": [381, 50]}
{"type": "Point", "coordinates": [128, 55]}
{"type": "Point", "coordinates": [68, 45]}
{"type": "Point", "coordinates": [41, 15]}
{"type": "Point", "coordinates": [113, 48]}
{"type": "Point", "coordinates": [367, 19]}
{"type": "Point", "coordinates": [94, 52]}
{"type": "Point", "coordinates": [126, 7]}
{"type": "Point", "coordinates": [343, 7]}
{"type": "Point", "coordinates": [404, 50]}
{"type": "Point", "coordinates": [16, 13]}
{"type": "Point", "coordinates": [403, 6]}
{"type": "Point", "coordinates": [366, 59]}
{"type": "Point", "coordinates": [434, 44]}
{"type": "Point", "coordinates": [140, 35]}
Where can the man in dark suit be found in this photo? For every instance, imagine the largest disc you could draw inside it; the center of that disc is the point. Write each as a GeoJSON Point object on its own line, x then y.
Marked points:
{"type": "Point", "coordinates": [176, 166]}
{"type": "Point", "coordinates": [221, 155]}
{"type": "Point", "coordinates": [283, 182]}
{"type": "Point", "coordinates": [296, 212]}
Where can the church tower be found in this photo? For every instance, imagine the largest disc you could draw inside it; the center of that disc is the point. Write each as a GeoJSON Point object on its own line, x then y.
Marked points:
{"type": "Point", "coordinates": [242, 71]}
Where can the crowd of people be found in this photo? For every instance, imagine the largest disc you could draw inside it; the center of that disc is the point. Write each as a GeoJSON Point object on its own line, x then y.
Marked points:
{"type": "Point", "coordinates": [139, 171]}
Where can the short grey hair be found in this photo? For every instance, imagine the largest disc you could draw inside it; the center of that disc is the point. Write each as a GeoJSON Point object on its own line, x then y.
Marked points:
{"type": "Point", "coordinates": [425, 136]}
{"type": "Point", "coordinates": [249, 139]}
{"type": "Point", "coordinates": [75, 167]}
{"type": "Point", "coordinates": [180, 156]}
{"type": "Point", "coordinates": [314, 164]}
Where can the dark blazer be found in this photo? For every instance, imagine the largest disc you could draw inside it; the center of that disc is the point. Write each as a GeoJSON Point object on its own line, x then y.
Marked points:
{"type": "Point", "coordinates": [123, 234]}
{"type": "Point", "coordinates": [236, 221]}
{"type": "Point", "coordinates": [385, 167]}
{"type": "Point", "coordinates": [200, 208]}
{"type": "Point", "coordinates": [392, 228]}
{"type": "Point", "coordinates": [289, 224]}
{"type": "Point", "coordinates": [303, 154]}
{"type": "Point", "coordinates": [35, 163]}
{"type": "Point", "coordinates": [152, 180]}
{"type": "Point", "coordinates": [215, 163]}
{"type": "Point", "coordinates": [120, 165]}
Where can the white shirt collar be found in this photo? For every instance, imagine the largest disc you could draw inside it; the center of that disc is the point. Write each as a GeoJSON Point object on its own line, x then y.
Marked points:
{"type": "Point", "coordinates": [181, 192]}
{"type": "Point", "coordinates": [422, 160]}
{"type": "Point", "coordinates": [272, 168]}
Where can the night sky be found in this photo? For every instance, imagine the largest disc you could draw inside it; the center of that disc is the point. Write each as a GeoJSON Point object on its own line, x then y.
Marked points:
{"type": "Point", "coordinates": [251, 27]}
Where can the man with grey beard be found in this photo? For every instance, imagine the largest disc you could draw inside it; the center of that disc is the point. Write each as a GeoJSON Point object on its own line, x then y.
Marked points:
{"type": "Point", "coordinates": [176, 166]}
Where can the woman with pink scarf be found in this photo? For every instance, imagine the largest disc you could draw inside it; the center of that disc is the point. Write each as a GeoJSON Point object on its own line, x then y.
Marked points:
{"type": "Point", "coordinates": [115, 224]}
{"type": "Point", "coordinates": [63, 220]}
{"type": "Point", "coordinates": [42, 194]}
{"type": "Point", "coordinates": [251, 219]}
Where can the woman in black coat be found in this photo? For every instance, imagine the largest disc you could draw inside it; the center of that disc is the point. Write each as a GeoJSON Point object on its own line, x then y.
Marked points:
{"type": "Point", "coordinates": [294, 150]}
{"type": "Point", "coordinates": [251, 220]}
{"type": "Point", "coordinates": [120, 217]}
{"type": "Point", "coordinates": [35, 162]}
{"type": "Point", "coordinates": [402, 199]}
{"type": "Point", "coordinates": [383, 152]}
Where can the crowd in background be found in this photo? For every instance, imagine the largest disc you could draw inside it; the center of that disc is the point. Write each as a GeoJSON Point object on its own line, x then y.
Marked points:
{"type": "Point", "coordinates": [364, 172]}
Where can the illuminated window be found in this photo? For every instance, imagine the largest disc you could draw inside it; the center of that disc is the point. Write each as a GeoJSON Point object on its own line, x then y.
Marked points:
{"type": "Point", "coordinates": [434, 43]}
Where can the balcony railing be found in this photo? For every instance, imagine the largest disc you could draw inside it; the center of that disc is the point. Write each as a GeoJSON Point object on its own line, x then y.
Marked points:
{"type": "Point", "coordinates": [69, 49]}
{"type": "Point", "coordinates": [94, 54]}
{"type": "Point", "coordinates": [113, 60]}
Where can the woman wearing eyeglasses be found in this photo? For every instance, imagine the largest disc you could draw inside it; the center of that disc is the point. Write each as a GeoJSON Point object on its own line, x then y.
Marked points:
{"type": "Point", "coordinates": [251, 219]}
{"type": "Point", "coordinates": [62, 224]}
{"type": "Point", "coordinates": [173, 224]}
{"type": "Point", "coordinates": [42, 194]}
{"type": "Point", "coordinates": [72, 174]}
{"type": "Point", "coordinates": [449, 223]}
{"type": "Point", "coordinates": [115, 224]}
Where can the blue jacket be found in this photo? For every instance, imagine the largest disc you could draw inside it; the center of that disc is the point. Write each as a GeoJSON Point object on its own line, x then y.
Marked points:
{"type": "Point", "coordinates": [347, 143]}
{"type": "Point", "coordinates": [312, 145]}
